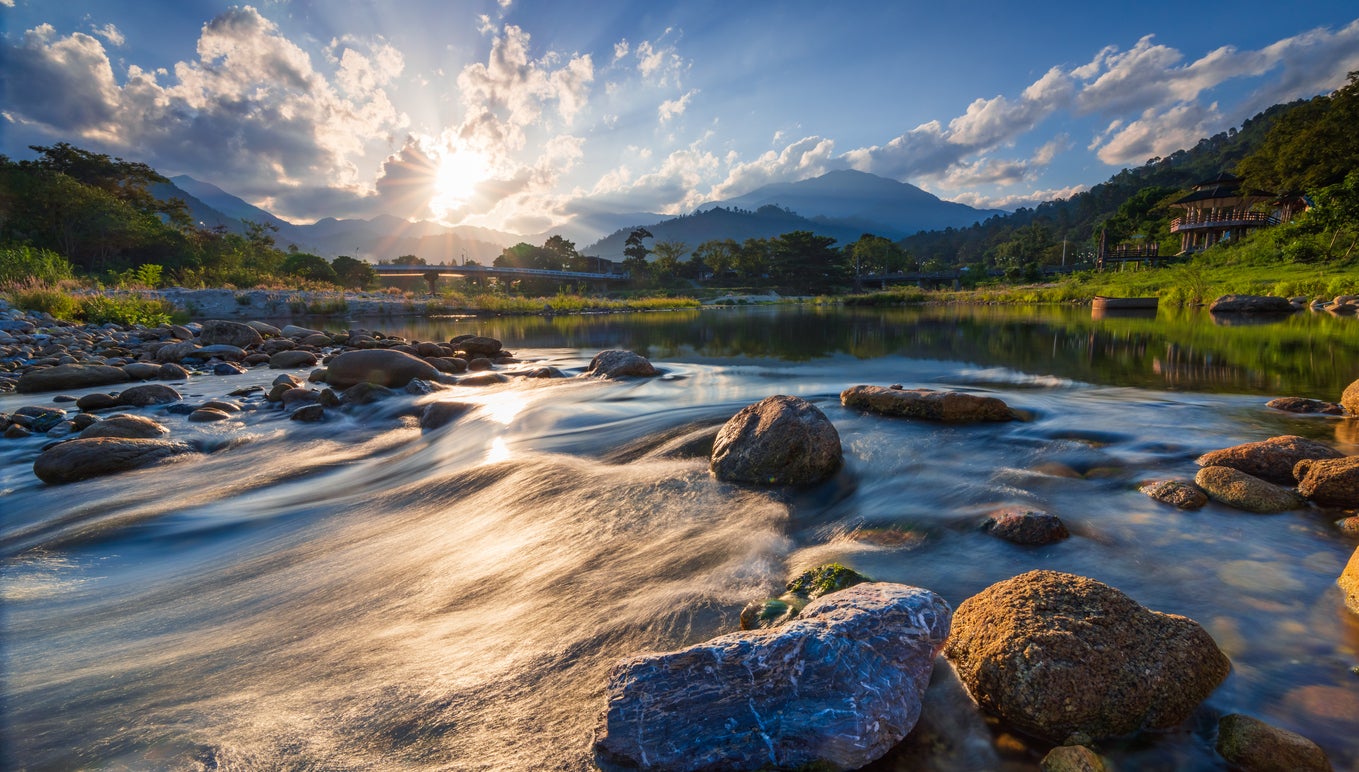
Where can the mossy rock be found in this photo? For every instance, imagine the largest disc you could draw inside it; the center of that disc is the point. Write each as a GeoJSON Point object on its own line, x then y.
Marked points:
{"type": "Point", "coordinates": [824, 580]}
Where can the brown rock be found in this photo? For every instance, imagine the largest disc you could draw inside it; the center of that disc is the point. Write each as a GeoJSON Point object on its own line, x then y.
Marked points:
{"type": "Point", "coordinates": [437, 415]}
{"type": "Point", "coordinates": [127, 427]}
{"type": "Point", "coordinates": [223, 332]}
{"type": "Point", "coordinates": [1025, 526]}
{"type": "Point", "coordinates": [141, 371]}
{"type": "Point", "coordinates": [1177, 493]}
{"type": "Point", "coordinates": [175, 352]}
{"type": "Point", "coordinates": [1072, 758]}
{"type": "Point", "coordinates": [1251, 304]}
{"type": "Point", "coordinates": [1332, 482]}
{"type": "Point", "coordinates": [1254, 746]}
{"type": "Point", "coordinates": [172, 372]}
{"type": "Point", "coordinates": [780, 440]}
{"type": "Point", "coordinates": [148, 394]}
{"type": "Point", "coordinates": [1272, 459]}
{"type": "Point", "coordinates": [477, 345]}
{"type": "Point", "coordinates": [1306, 406]}
{"type": "Point", "coordinates": [617, 363]}
{"type": "Point", "coordinates": [1349, 582]}
{"type": "Point", "coordinates": [484, 379]}
{"type": "Point", "coordinates": [286, 360]}
{"type": "Point", "coordinates": [64, 377]}
{"type": "Point", "coordinates": [94, 457]}
{"type": "Point", "coordinates": [1350, 398]}
{"type": "Point", "coordinates": [1246, 492]}
{"type": "Point", "coordinates": [383, 367]}
{"type": "Point", "coordinates": [1058, 655]}
{"type": "Point", "coordinates": [950, 406]}
{"type": "Point", "coordinates": [98, 401]}
{"type": "Point", "coordinates": [208, 415]}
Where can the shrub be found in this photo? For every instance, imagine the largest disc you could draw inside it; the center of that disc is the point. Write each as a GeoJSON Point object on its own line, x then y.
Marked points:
{"type": "Point", "coordinates": [33, 295]}
{"type": "Point", "coordinates": [24, 263]}
{"type": "Point", "coordinates": [125, 310]}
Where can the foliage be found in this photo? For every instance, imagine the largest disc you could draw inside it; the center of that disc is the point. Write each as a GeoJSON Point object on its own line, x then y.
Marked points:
{"type": "Point", "coordinates": [353, 273]}
{"type": "Point", "coordinates": [41, 296]}
{"type": "Point", "coordinates": [144, 276]}
{"type": "Point", "coordinates": [125, 310]}
{"type": "Point", "coordinates": [309, 266]}
{"type": "Point", "coordinates": [25, 263]}
{"type": "Point", "coordinates": [1312, 146]}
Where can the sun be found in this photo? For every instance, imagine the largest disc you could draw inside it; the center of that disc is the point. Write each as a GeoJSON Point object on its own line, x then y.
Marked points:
{"type": "Point", "coordinates": [456, 179]}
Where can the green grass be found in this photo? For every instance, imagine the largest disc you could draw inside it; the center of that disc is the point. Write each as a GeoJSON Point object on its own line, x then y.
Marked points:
{"type": "Point", "coordinates": [454, 301]}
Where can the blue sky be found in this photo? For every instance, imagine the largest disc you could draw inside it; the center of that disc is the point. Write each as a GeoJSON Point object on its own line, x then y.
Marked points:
{"type": "Point", "coordinates": [520, 114]}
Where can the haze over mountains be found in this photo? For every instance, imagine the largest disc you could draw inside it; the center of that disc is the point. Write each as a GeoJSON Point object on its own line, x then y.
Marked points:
{"type": "Point", "coordinates": [841, 204]}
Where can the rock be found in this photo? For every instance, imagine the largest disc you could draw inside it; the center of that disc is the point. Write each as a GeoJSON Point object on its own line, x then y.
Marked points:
{"type": "Point", "coordinates": [286, 360]}
{"type": "Point", "coordinates": [951, 406]}
{"type": "Point", "coordinates": [544, 372]}
{"type": "Point", "coordinates": [1330, 482]}
{"type": "Point", "coordinates": [293, 331]}
{"type": "Point", "coordinates": [780, 440]}
{"type": "Point", "coordinates": [1307, 406]}
{"type": "Point", "coordinates": [98, 401]}
{"type": "Point", "coordinates": [175, 352]}
{"type": "Point", "coordinates": [1058, 655]}
{"type": "Point", "coordinates": [16, 432]}
{"type": "Point", "coordinates": [365, 394]}
{"type": "Point", "coordinates": [319, 340]}
{"type": "Point", "coordinates": [1272, 459]}
{"type": "Point", "coordinates": [172, 372]}
{"type": "Point", "coordinates": [478, 345]}
{"type": "Point", "coordinates": [1072, 758]}
{"type": "Point", "coordinates": [440, 414]}
{"type": "Point", "coordinates": [1246, 492]}
{"type": "Point", "coordinates": [617, 363]}
{"type": "Point", "coordinates": [806, 587]}
{"type": "Point", "coordinates": [1349, 399]}
{"type": "Point", "coordinates": [84, 421]}
{"type": "Point", "coordinates": [480, 364]}
{"type": "Point", "coordinates": [383, 367]}
{"type": "Point", "coordinates": [1251, 304]}
{"type": "Point", "coordinates": [264, 329]}
{"type": "Point", "coordinates": [1025, 526]}
{"type": "Point", "coordinates": [141, 371]}
{"type": "Point", "coordinates": [1349, 582]}
{"type": "Point", "coordinates": [1254, 746]}
{"type": "Point", "coordinates": [227, 368]}
{"type": "Point", "coordinates": [148, 394]}
{"type": "Point", "coordinates": [127, 427]}
{"type": "Point", "coordinates": [223, 332]}
{"type": "Point", "coordinates": [309, 414]}
{"type": "Point", "coordinates": [483, 379]}
{"type": "Point", "coordinates": [38, 418]}
{"type": "Point", "coordinates": [97, 456]}
{"type": "Point", "coordinates": [66, 377]}
{"type": "Point", "coordinates": [1177, 493]}
{"type": "Point", "coordinates": [293, 397]}
{"type": "Point", "coordinates": [452, 365]}
{"type": "Point", "coordinates": [208, 415]}
{"type": "Point", "coordinates": [221, 351]}
{"type": "Point", "coordinates": [834, 689]}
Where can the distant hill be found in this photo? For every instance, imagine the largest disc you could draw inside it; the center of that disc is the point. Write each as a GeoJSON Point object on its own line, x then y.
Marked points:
{"type": "Point", "coordinates": [721, 223]}
{"type": "Point", "coordinates": [863, 202]}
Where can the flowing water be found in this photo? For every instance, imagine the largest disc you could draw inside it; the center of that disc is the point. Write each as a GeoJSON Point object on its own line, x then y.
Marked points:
{"type": "Point", "coordinates": [364, 595]}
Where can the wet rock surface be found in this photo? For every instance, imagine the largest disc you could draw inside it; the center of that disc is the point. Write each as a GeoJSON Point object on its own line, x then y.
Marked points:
{"type": "Point", "coordinates": [83, 458]}
{"type": "Point", "coordinates": [1246, 492]}
{"type": "Point", "coordinates": [616, 363]}
{"type": "Point", "coordinates": [1332, 482]}
{"type": "Point", "coordinates": [949, 406]}
{"type": "Point", "coordinates": [1177, 493]}
{"type": "Point", "coordinates": [1254, 746]}
{"type": "Point", "coordinates": [780, 440]}
{"type": "Point", "coordinates": [1251, 304]}
{"type": "Point", "coordinates": [1305, 406]}
{"type": "Point", "coordinates": [1272, 459]}
{"type": "Point", "coordinates": [1029, 527]}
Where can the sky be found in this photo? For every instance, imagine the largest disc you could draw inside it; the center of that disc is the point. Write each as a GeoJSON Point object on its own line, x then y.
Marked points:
{"type": "Point", "coordinates": [519, 115]}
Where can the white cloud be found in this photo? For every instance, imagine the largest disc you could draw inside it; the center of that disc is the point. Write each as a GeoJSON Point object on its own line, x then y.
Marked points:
{"type": "Point", "coordinates": [672, 108]}
{"type": "Point", "coordinates": [808, 157]}
{"type": "Point", "coordinates": [1015, 200]}
{"type": "Point", "coordinates": [7, 3]}
{"type": "Point", "coordinates": [110, 33]}
{"type": "Point", "coordinates": [1160, 134]}
{"type": "Point", "coordinates": [620, 49]}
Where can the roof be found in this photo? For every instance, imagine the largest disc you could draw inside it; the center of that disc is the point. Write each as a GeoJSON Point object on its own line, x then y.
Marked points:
{"type": "Point", "coordinates": [1223, 192]}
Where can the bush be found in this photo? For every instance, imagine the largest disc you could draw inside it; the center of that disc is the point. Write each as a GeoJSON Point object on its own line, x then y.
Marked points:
{"type": "Point", "coordinates": [125, 310]}
{"type": "Point", "coordinates": [24, 263]}
{"type": "Point", "coordinates": [35, 296]}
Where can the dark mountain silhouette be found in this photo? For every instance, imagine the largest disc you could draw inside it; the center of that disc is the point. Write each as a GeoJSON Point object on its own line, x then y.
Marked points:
{"type": "Point", "coordinates": [722, 223]}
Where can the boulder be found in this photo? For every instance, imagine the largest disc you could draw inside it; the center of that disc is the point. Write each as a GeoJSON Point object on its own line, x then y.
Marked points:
{"type": "Point", "coordinates": [1067, 658]}
{"type": "Point", "coordinates": [834, 689]}
{"type": "Point", "coordinates": [98, 400]}
{"type": "Point", "coordinates": [1251, 304]}
{"type": "Point", "coordinates": [141, 371]}
{"type": "Point", "coordinates": [172, 372]}
{"type": "Point", "coordinates": [366, 394]}
{"type": "Point", "coordinates": [223, 332]}
{"type": "Point", "coordinates": [175, 352]}
{"type": "Point", "coordinates": [83, 458]}
{"type": "Point", "coordinates": [437, 415]}
{"type": "Point", "coordinates": [383, 367]}
{"type": "Point", "coordinates": [1305, 406]}
{"type": "Point", "coordinates": [148, 394]}
{"type": "Point", "coordinates": [309, 414]}
{"type": "Point", "coordinates": [1349, 582]}
{"type": "Point", "coordinates": [1349, 399]}
{"type": "Point", "coordinates": [127, 427]}
{"type": "Point", "coordinates": [286, 360]}
{"type": "Point", "coordinates": [64, 377]}
{"type": "Point", "coordinates": [1025, 526]}
{"type": "Point", "coordinates": [951, 406]}
{"type": "Point", "coordinates": [265, 329]}
{"type": "Point", "coordinates": [1176, 493]}
{"type": "Point", "coordinates": [1272, 459]}
{"type": "Point", "coordinates": [483, 379]}
{"type": "Point", "coordinates": [1252, 745]}
{"type": "Point", "coordinates": [617, 363]}
{"type": "Point", "coordinates": [294, 331]}
{"type": "Point", "coordinates": [223, 351]}
{"type": "Point", "coordinates": [1330, 482]}
{"type": "Point", "coordinates": [1246, 492]}
{"type": "Point", "coordinates": [1072, 758]}
{"type": "Point", "coordinates": [478, 345]}
{"type": "Point", "coordinates": [806, 587]}
{"type": "Point", "coordinates": [780, 440]}
{"type": "Point", "coordinates": [208, 415]}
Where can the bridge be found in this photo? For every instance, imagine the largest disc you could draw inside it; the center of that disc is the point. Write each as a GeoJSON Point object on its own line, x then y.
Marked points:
{"type": "Point", "coordinates": [431, 273]}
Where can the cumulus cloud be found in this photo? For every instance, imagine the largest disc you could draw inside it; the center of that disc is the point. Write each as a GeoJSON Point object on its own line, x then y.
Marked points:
{"type": "Point", "coordinates": [672, 108]}
{"type": "Point", "coordinates": [1015, 200]}
{"type": "Point", "coordinates": [1160, 133]}
{"type": "Point", "coordinates": [808, 157]}
{"type": "Point", "coordinates": [110, 33]}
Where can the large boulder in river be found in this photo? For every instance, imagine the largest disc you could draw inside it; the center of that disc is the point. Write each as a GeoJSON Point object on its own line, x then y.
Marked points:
{"type": "Point", "coordinates": [477, 345]}
{"type": "Point", "coordinates": [617, 363]}
{"type": "Point", "coordinates": [1254, 746]}
{"type": "Point", "coordinates": [951, 406]}
{"type": "Point", "coordinates": [780, 440]}
{"type": "Point", "coordinates": [1246, 492]}
{"type": "Point", "coordinates": [380, 366]}
{"type": "Point", "coordinates": [1305, 406]}
{"type": "Point", "coordinates": [1272, 459]}
{"type": "Point", "coordinates": [1251, 304]}
{"type": "Point", "coordinates": [221, 331]}
{"type": "Point", "coordinates": [148, 394]}
{"type": "Point", "coordinates": [287, 360]}
{"type": "Point", "coordinates": [834, 689]}
{"type": "Point", "coordinates": [64, 377]}
{"type": "Point", "coordinates": [1070, 659]}
{"type": "Point", "coordinates": [1025, 526]}
{"type": "Point", "coordinates": [1330, 482]}
{"type": "Point", "coordinates": [94, 457]}
{"type": "Point", "coordinates": [1349, 399]}
{"type": "Point", "coordinates": [127, 427]}
{"type": "Point", "coordinates": [1349, 582]}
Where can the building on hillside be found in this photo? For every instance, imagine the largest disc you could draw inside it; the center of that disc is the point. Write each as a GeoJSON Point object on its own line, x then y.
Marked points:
{"type": "Point", "coordinates": [1220, 210]}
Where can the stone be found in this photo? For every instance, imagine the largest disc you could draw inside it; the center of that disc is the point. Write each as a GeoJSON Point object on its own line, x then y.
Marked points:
{"type": "Point", "coordinates": [69, 377]}
{"type": "Point", "coordinates": [38, 418]}
{"type": "Point", "coordinates": [175, 352]}
{"type": "Point", "coordinates": [221, 351]}
{"type": "Point", "coordinates": [141, 371]}
{"type": "Point", "coordinates": [98, 401]}
{"type": "Point", "coordinates": [1349, 582]}
{"type": "Point", "coordinates": [1072, 758]}
{"type": "Point", "coordinates": [617, 363]}
{"type": "Point", "coordinates": [483, 379]}
{"type": "Point", "coordinates": [383, 367]}
{"type": "Point", "coordinates": [437, 415]}
{"type": "Point", "coordinates": [84, 458]}
{"type": "Point", "coordinates": [286, 360]}
{"type": "Point", "coordinates": [949, 406]}
{"type": "Point", "coordinates": [1176, 493]}
{"type": "Point", "coordinates": [294, 331]}
{"type": "Point", "coordinates": [127, 427]}
{"type": "Point", "coordinates": [478, 345]}
{"type": "Point", "coordinates": [1251, 304]}
{"type": "Point", "coordinates": [1025, 526]}
{"type": "Point", "coordinates": [365, 394]}
{"type": "Point", "coordinates": [16, 432]}
{"type": "Point", "coordinates": [780, 440]}
{"type": "Point", "coordinates": [294, 397]}
{"type": "Point", "coordinates": [1349, 399]}
{"type": "Point", "coordinates": [480, 364]}
{"type": "Point", "coordinates": [227, 368]}
{"type": "Point", "coordinates": [223, 332]}
{"type": "Point", "coordinates": [1059, 656]}
{"type": "Point", "coordinates": [1246, 492]}
{"type": "Point", "coordinates": [1272, 459]}
{"type": "Point", "coordinates": [1305, 406]}
{"type": "Point", "coordinates": [801, 590]}
{"type": "Point", "coordinates": [172, 372]}
{"type": "Point", "coordinates": [1330, 482]}
{"type": "Point", "coordinates": [309, 414]}
{"type": "Point", "coordinates": [208, 415]}
{"type": "Point", "coordinates": [148, 394]}
{"type": "Point", "coordinates": [451, 365]}
{"type": "Point", "coordinates": [1251, 745]}
{"type": "Point", "coordinates": [265, 329]}
{"type": "Point", "coordinates": [544, 372]}
{"type": "Point", "coordinates": [834, 689]}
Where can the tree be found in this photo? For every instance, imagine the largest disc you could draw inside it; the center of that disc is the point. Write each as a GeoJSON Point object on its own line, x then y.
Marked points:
{"type": "Point", "coordinates": [668, 255]}
{"type": "Point", "coordinates": [803, 260]}
{"type": "Point", "coordinates": [309, 266]}
{"type": "Point", "coordinates": [558, 254]}
{"type": "Point", "coordinates": [719, 255]}
{"type": "Point", "coordinates": [873, 254]}
{"type": "Point", "coordinates": [353, 273]}
{"type": "Point", "coordinates": [636, 251]}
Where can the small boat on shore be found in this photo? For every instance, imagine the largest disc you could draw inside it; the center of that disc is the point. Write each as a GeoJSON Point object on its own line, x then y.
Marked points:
{"type": "Point", "coordinates": [1100, 302]}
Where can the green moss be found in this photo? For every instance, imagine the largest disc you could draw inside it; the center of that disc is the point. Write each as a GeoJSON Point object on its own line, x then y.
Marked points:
{"type": "Point", "coordinates": [824, 580]}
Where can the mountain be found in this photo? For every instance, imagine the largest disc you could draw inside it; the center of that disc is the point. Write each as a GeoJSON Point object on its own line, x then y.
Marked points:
{"type": "Point", "coordinates": [863, 201]}
{"type": "Point", "coordinates": [720, 223]}
{"type": "Point", "coordinates": [225, 203]}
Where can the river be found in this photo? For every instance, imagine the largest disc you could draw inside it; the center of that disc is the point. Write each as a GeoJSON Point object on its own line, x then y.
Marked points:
{"type": "Point", "coordinates": [360, 594]}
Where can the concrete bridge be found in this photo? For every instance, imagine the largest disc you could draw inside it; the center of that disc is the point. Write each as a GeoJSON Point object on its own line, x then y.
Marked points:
{"type": "Point", "coordinates": [431, 273]}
